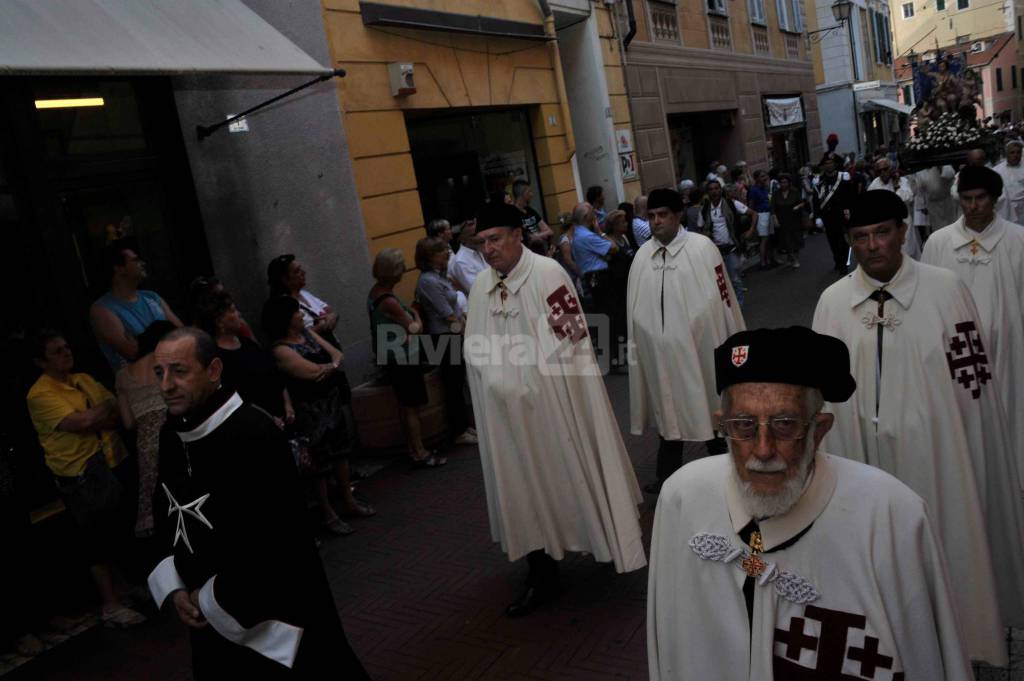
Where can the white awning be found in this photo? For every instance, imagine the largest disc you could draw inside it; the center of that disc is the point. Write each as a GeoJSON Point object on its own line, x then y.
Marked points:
{"type": "Point", "coordinates": [143, 37]}
{"type": "Point", "coordinates": [784, 111]}
{"type": "Point", "coordinates": [890, 104]}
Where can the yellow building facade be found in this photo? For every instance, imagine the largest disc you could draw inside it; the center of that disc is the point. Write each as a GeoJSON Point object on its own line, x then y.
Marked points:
{"type": "Point", "coordinates": [474, 92]}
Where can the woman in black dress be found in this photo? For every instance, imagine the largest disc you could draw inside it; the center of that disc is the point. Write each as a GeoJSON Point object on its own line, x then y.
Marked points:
{"type": "Point", "coordinates": [322, 398]}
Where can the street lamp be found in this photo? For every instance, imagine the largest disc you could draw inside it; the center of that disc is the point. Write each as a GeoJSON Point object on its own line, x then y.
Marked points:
{"type": "Point", "coordinates": [841, 13]}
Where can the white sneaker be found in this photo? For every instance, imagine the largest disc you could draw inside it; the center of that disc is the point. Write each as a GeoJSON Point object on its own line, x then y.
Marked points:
{"type": "Point", "coordinates": [467, 438]}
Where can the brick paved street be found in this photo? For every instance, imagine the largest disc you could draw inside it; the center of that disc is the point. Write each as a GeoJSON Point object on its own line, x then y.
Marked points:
{"type": "Point", "coordinates": [421, 588]}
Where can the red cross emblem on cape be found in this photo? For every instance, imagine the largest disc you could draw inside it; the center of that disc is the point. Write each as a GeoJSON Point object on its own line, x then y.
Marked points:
{"type": "Point", "coordinates": [739, 355]}
{"type": "Point", "coordinates": [829, 636]}
{"type": "Point", "coordinates": [565, 317]}
{"type": "Point", "coordinates": [968, 363]}
{"type": "Point", "coordinates": [723, 288]}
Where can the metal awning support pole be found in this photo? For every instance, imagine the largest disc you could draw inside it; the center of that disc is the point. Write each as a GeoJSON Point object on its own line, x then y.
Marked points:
{"type": "Point", "coordinates": [204, 131]}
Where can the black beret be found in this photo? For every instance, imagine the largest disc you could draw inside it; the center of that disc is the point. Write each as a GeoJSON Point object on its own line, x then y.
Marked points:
{"type": "Point", "coordinates": [980, 177]}
{"type": "Point", "coordinates": [875, 206]}
{"type": "Point", "coordinates": [796, 356]}
{"type": "Point", "coordinates": [665, 198]}
{"type": "Point", "coordinates": [499, 214]}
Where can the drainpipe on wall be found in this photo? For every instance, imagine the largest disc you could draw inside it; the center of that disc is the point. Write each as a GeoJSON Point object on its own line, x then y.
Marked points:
{"type": "Point", "coordinates": [556, 56]}
{"type": "Point", "coordinates": [628, 38]}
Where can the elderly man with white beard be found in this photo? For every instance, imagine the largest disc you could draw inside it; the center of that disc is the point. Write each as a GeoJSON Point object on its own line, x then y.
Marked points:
{"type": "Point", "coordinates": [777, 561]}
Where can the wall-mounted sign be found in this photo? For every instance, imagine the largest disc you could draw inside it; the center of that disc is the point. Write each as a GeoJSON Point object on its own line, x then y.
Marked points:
{"type": "Point", "coordinates": [624, 140]}
{"type": "Point", "coordinates": [629, 171]}
{"type": "Point", "coordinates": [783, 111]}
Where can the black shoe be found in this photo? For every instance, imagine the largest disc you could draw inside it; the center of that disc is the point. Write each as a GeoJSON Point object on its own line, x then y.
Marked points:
{"type": "Point", "coordinates": [530, 600]}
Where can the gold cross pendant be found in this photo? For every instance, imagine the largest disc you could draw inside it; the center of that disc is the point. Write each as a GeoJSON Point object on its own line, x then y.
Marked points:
{"type": "Point", "coordinates": [974, 247]}
{"type": "Point", "coordinates": [753, 566]}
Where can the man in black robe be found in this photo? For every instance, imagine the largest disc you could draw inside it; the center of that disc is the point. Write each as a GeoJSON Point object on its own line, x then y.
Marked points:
{"type": "Point", "coordinates": [243, 571]}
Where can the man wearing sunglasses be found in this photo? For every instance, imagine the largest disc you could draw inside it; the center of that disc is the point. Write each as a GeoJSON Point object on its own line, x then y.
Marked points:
{"type": "Point", "coordinates": [778, 561]}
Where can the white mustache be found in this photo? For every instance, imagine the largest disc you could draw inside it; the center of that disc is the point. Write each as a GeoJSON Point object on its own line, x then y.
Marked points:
{"type": "Point", "coordinates": [770, 466]}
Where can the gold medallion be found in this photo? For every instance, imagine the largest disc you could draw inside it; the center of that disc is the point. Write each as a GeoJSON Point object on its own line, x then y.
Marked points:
{"type": "Point", "coordinates": [756, 545]}
{"type": "Point", "coordinates": [753, 566]}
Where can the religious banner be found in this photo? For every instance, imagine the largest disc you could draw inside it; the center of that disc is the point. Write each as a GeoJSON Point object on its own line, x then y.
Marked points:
{"type": "Point", "coordinates": [784, 111]}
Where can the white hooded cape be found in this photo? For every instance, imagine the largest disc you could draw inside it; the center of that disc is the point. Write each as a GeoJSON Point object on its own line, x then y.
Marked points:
{"type": "Point", "coordinates": [679, 310]}
{"type": "Point", "coordinates": [861, 594]}
{"type": "Point", "coordinates": [991, 263]}
{"type": "Point", "coordinates": [555, 468]}
{"type": "Point", "coordinates": [940, 429]}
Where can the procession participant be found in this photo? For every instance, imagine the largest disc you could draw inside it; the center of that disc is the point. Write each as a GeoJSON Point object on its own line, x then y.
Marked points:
{"type": "Point", "coordinates": [934, 208]}
{"type": "Point", "coordinates": [776, 561]}
{"type": "Point", "coordinates": [556, 472]}
{"type": "Point", "coordinates": [681, 306]}
{"type": "Point", "coordinates": [928, 412]}
{"type": "Point", "coordinates": [889, 180]}
{"type": "Point", "coordinates": [1012, 172]}
{"type": "Point", "coordinates": [832, 197]}
{"type": "Point", "coordinates": [987, 251]}
{"type": "Point", "coordinates": [243, 572]}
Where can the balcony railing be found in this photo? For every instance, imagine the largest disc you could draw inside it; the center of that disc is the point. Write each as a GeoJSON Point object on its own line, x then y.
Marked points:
{"type": "Point", "coordinates": [792, 46]}
{"type": "Point", "coordinates": [761, 45]}
{"type": "Point", "coordinates": [664, 23]}
{"type": "Point", "coordinates": [721, 36]}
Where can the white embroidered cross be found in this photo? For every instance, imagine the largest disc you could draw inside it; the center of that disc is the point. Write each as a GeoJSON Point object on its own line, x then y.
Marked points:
{"type": "Point", "coordinates": [193, 508]}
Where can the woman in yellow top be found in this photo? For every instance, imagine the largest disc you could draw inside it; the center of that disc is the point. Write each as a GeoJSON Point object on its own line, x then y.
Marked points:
{"type": "Point", "coordinates": [76, 420]}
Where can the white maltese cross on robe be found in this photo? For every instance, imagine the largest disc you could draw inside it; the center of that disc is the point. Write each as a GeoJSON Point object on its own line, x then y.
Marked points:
{"type": "Point", "coordinates": [192, 508]}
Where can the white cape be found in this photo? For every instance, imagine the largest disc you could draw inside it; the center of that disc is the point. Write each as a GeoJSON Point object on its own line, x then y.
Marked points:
{"type": "Point", "coordinates": [1011, 203]}
{"type": "Point", "coordinates": [944, 436]}
{"type": "Point", "coordinates": [881, 607]}
{"type": "Point", "coordinates": [991, 263]}
{"type": "Point", "coordinates": [672, 375]}
{"type": "Point", "coordinates": [555, 469]}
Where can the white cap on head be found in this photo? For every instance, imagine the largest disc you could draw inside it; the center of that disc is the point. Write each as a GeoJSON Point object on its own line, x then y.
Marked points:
{"type": "Point", "coordinates": [686, 184]}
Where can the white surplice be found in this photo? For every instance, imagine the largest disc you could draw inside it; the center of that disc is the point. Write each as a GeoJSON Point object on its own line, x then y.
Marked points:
{"type": "Point", "coordinates": [991, 263]}
{"type": "Point", "coordinates": [906, 191]}
{"type": "Point", "coordinates": [1012, 201]}
{"type": "Point", "coordinates": [860, 591]}
{"type": "Point", "coordinates": [681, 306]}
{"type": "Point", "coordinates": [939, 427]}
{"type": "Point", "coordinates": [556, 471]}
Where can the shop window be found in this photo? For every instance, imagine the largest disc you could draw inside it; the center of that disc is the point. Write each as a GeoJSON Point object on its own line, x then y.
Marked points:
{"type": "Point", "coordinates": [999, 79]}
{"type": "Point", "coordinates": [908, 10]}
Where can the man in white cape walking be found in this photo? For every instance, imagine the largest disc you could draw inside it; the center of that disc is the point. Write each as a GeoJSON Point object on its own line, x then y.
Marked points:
{"type": "Point", "coordinates": [556, 472]}
{"type": "Point", "coordinates": [987, 252]}
{"type": "Point", "coordinates": [927, 411]}
{"type": "Point", "coordinates": [777, 561]}
{"type": "Point", "coordinates": [681, 306]}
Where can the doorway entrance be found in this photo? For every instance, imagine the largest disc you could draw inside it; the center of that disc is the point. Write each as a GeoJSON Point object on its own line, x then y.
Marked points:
{"type": "Point", "coordinates": [699, 139]}
{"type": "Point", "coordinates": [461, 159]}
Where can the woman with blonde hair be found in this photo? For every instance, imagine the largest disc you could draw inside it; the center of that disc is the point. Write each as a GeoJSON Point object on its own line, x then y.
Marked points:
{"type": "Point", "coordinates": [393, 324]}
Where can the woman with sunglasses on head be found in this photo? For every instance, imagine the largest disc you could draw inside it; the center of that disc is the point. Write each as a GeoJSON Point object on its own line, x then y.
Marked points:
{"type": "Point", "coordinates": [286, 276]}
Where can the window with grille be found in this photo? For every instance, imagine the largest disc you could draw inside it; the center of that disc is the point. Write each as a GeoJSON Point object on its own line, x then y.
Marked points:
{"type": "Point", "coordinates": [721, 36]}
{"type": "Point", "coordinates": [761, 44]}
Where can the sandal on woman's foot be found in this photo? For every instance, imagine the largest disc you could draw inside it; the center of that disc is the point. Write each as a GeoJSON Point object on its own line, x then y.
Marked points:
{"type": "Point", "coordinates": [338, 526]}
{"type": "Point", "coordinates": [360, 510]}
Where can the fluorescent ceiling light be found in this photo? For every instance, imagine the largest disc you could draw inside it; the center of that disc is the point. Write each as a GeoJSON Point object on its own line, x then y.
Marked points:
{"type": "Point", "coordinates": [68, 103]}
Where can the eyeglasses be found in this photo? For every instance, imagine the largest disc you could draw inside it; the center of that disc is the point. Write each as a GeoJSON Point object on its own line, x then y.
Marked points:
{"type": "Point", "coordinates": [781, 427]}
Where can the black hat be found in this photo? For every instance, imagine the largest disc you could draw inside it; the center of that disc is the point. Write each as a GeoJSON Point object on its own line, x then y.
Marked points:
{"type": "Point", "coordinates": [665, 198]}
{"type": "Point", "coordinates": [980, 177]}
{"type": "Point", "coordinates": [499, 214]}
{"type": "Point", "coordinates": [875, 206]}
{"type": "Point", "coordinates": [796, 356]}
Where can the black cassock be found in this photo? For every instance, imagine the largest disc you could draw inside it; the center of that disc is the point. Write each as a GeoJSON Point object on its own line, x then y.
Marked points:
{"type": "Point", "coordinates": [232, 518]}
